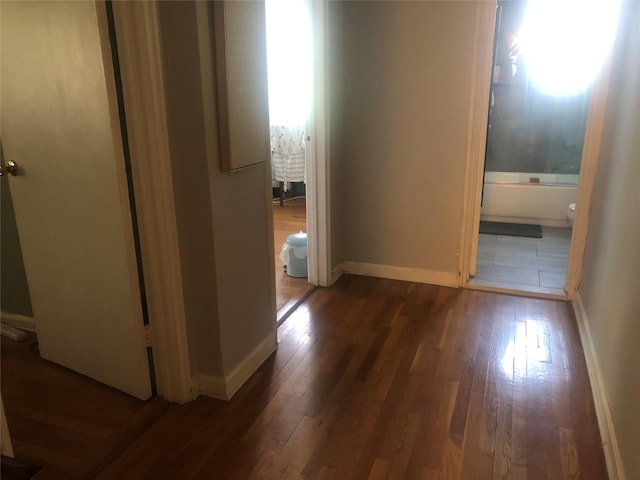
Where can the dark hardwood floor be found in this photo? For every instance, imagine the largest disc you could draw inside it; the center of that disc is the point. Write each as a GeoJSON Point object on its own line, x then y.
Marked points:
{"type": "Point", "coordinates": [384, 379]}
{"type": "Point", "coordinates": [65, 422]}
{"type": "Point", "coordinates": [372, 379]}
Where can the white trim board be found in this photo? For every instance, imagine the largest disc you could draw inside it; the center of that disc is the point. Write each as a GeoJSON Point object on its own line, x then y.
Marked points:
{"type": "Point", "coordinates": [518, 290]}
{"type": "Point", "coordinates": [11, 332]}
{"type": "Point", "coordinates": [448, 279]}
{"type": "Point", "coordinates": [336, 273]}
{"type": "Point", "coordinates": [587, 179]}
{"type": "Point", "coordinates": [612, 457]}
{"type": "Point", "coordinates": [477, 137]}
{"type": "Point", "coordinates": [321, 166]}
{"type": "Point", "coordinates": [140, 55]}
{"type": "Point", "coordinates": [28, 324]}
{"type": "Point", "coordinates": [225, 387]}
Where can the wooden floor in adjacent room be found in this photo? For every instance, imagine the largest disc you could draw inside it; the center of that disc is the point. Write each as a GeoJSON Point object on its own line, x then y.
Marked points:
{"type": "Point", "coordinates": [385, 379]}
{"type": "Point", "coordinates": [288, 219]}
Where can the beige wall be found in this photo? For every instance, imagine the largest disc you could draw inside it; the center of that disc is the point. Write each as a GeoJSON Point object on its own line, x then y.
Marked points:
{"type": "Point", "coordinates": [335, 70]}
{"type": "Point", "coordinates": [400, 99]}
{"type": "Point", "coordinates": [610, 285]}
{"type": "Point", "coordinates": [223, 218]}
{"type": "Point", "coordinates": [191, 186]}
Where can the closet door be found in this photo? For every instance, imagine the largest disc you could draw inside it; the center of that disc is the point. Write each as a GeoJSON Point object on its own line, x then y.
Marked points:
{"type": "Point", "coordinates": [60, 126]}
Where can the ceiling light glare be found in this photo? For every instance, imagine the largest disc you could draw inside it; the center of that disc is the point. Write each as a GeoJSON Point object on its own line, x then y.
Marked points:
{"type": "Point", "coordinates": [566, 42]}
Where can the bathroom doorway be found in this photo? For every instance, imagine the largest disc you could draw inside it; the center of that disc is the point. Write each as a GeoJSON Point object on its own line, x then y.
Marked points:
{"type": "Point", "coordinates": [290, 54]}
{"type": "Point", "coordinates": [545, 61]}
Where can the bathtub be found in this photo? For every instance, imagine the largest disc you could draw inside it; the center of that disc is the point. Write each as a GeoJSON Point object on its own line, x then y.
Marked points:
{"type": "Point", "coordinates": [512, 197]}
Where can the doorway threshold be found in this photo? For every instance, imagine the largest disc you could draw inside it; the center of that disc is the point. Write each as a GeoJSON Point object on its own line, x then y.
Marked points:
{"type": "Point", "coordinates": [292, 305]}
{"type": "Point", "coordinates": [515, 289]}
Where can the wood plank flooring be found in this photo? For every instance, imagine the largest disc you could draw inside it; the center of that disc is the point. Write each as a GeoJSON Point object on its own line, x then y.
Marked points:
{"type": "Point", "coordinates": [380, 379]}
{"type": "Point", "coordinates": [288, 219]}
{"type": "Point", "coordinates": [67, 423]}
{"type": "Point", "coordinates": [528, 264]}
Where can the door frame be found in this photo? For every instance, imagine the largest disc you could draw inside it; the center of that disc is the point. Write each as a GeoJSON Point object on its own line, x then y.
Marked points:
{"type": "Point", "coordinates": [318, 192]}
{"type": "Point", "coordinates": [140, 59]}
{"type": "Point", "coordinates": [140, 53]}
{"type": "Point", "coordinates": [480, 91]}
{"type": "Point", "coordinates": [587, 179]}
{"type": "Point", "coordinates": [477, 137]}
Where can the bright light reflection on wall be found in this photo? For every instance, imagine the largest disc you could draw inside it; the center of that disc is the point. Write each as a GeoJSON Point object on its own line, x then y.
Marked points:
{"type": "Point", "coordinates": [289, 61]}
{"type": "Point", "coordinates": [565, 42]}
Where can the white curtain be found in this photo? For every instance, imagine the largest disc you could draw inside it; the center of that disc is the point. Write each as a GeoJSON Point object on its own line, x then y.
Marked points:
{"type": "Point", "coordinates": [290, 68]}
{"type": "Point", "coordinates": [288, 153]}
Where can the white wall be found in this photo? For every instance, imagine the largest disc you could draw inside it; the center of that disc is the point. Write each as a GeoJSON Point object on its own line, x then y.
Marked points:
{"type": "Point", "coordinates": [610, 286]}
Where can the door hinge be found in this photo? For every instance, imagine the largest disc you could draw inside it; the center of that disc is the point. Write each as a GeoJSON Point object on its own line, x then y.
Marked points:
{"type": "Point", "coordinates": [147, 334]}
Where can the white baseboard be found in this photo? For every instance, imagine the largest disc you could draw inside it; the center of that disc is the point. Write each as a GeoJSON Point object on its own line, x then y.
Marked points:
{"type": "Point", "coordinates": [448, 279]}
{"type": "Point", "coordinates": [12, 333]}
{"type": "Point", "coordinates": [22, 322]}
{"type": "Point", "coordinates": [225, 387]}
{"type": "Point", "coordinates": [209, 385]}
{"type": "Point", "coordinates": [336, 273]}
{"type": "Point", "coordinates": [607, 432]}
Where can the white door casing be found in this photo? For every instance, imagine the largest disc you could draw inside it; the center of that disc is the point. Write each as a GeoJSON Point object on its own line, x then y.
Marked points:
{"type": "Point", "coordinates": [477, 138]}
{"type": "Point", "coordinates": [140, 59]}
{"type": "Point", "coordinates": [476, 150]}
{"type": "Point", "coordinates": [318, 191]}
{"type": "Point", "coordinates": [60, 125]}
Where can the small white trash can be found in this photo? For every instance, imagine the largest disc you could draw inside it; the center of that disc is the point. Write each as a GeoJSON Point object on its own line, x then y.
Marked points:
{"type": "Point", "coordinates": [294, 255]}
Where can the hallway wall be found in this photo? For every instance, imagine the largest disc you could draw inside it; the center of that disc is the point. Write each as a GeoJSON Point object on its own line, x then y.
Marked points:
{"type": "Point", "coordinates": [223, 218]}
{"type": "Point", "coordinates": [611, 276]}
{"type": "Point", "coordinates": [400, 97]}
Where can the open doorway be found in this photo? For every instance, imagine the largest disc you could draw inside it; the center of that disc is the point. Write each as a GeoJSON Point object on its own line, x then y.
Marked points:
{"type": "Point", "coordinates": [290, 67]}
{"type": "Point", "coordinates": [545, 63]}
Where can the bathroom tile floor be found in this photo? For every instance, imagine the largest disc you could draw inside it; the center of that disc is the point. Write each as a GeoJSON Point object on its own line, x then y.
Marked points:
{"type": "Point", "coordinates": [528, 264]}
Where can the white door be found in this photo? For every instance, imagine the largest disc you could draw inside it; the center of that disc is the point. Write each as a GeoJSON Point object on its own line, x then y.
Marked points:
{"type": "Point", "coordinates": [60, 126]}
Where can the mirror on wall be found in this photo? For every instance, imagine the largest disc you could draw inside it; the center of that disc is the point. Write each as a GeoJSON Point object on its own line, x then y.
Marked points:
{"type": "Point", "coordinates": [547, 56]}
{"type": "Point", "coordinates": [241, 83]}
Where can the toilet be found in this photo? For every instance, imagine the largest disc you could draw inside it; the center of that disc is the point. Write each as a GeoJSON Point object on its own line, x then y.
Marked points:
{"type": "Point", "coordinates": [571, 211]}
